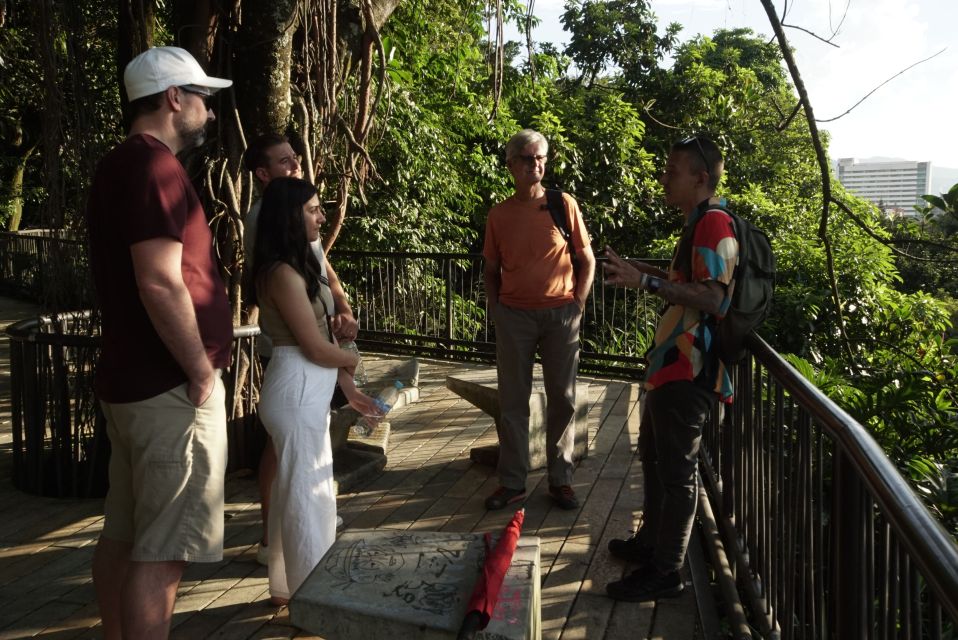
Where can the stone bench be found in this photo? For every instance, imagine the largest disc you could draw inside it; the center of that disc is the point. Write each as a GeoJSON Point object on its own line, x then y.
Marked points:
{"type": "Point", "coordinates": [414, 586]}
{"type": "Point", "coordinates": [481, 388]}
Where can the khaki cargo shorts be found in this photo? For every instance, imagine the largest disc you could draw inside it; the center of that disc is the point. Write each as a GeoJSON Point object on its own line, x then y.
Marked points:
{"type": "Point", "coordinates": [167, 469]}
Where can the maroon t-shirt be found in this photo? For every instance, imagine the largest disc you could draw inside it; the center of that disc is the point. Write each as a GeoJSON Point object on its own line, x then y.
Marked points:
{"type": "Point", "coordinates": [141, 192]}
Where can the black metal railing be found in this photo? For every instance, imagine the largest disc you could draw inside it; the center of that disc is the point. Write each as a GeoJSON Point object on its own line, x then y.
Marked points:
{"type": "Point", "coordinates": [828, 538]}
{"type": "Point", "coordinates": [434, 304]}
{"type": "Point", "coordinates": [60, 446]}
{"type": "Point", "coordinates": [46, 268]}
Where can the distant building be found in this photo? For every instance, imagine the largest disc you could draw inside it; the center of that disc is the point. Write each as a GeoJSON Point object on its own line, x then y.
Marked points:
{"type": "Point", "coordinates": [894, 186]}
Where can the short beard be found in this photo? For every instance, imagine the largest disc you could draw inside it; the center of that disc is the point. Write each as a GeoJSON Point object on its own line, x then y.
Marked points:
{"type": "Point", "coordinates": [191, 137]}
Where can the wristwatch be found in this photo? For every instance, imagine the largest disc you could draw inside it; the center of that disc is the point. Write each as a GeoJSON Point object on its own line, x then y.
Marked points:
{"type": "Point", "coordinates": [653, 284]}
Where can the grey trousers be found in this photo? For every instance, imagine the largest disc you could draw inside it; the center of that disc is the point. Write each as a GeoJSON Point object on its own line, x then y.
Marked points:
{"type": "Point", "coordinates": [519, 333]}
{"type": "Point", "coordinates": [669, 439]}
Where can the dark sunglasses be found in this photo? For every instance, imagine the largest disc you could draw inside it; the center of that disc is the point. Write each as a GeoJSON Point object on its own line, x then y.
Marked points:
{"type": "Point", "coordinates": [196, 92]}
{"type": "Point", "coordinates": [687, 142]}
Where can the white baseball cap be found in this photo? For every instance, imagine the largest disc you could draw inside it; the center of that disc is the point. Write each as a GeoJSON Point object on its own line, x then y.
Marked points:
{"type": "Point", "coordinates": [160, 68]}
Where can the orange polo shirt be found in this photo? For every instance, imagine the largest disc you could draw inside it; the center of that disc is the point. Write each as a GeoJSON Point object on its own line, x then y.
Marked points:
{"type": "Point", "coordinates": [533, 256]}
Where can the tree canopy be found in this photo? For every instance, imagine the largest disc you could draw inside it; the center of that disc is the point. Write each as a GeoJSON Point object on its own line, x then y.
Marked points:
{"type": "Point", "coordinates": [402, 111]}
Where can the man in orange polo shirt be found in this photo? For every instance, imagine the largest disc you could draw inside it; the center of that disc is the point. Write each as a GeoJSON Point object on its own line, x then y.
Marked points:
{"type": "Point", "coordinates": [537, 302]}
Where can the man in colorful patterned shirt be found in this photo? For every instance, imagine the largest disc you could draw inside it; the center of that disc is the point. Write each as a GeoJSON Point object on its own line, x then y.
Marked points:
{"type": "Point", "coordinates": [684, 376]}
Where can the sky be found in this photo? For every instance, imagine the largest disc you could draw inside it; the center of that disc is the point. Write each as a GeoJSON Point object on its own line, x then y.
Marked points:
{"type": "Point", "coordinates": [913, 117]}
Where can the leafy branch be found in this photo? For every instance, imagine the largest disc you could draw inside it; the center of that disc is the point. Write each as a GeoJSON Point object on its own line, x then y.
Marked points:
{"type": "Point", "coordinates": [891, 242]}
{"type": "Point", "coordinates": [867, 95]}
{"type": "Point", "coordinates": [823, 165]}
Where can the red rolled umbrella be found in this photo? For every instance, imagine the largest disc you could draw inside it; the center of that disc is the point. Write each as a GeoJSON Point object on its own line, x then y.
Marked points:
{"type": "Point", "coordinates": [486, 592]}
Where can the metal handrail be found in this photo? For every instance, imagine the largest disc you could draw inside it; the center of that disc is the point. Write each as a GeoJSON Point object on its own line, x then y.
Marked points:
{"type": "Point", "coordinates": [431, 303]}
{"type": "Point", "coordinates": [827, 538]}
{"type": "Point", "coordinates": [60, 446]}
{"type": "Point", "coordinates": [926, 539]}
{"type": "Point", "coordinates": [828, 473]}
{"type": "Point", "coordinates": [26, 269]}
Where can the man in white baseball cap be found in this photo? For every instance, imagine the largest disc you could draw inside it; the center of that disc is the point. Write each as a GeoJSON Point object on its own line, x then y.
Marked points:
{"type": "Point", "coordinates": [166, 335]}
{"type": "Point", "coordinates": [160, 68]}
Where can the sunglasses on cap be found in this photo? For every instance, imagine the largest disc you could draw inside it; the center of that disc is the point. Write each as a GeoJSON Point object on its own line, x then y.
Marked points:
{"type": "Point", "coordinates": [687, 142]}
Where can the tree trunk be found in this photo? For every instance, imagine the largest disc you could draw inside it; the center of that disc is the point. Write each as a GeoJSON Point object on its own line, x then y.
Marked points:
{"type": "Point", "coordinates": [196, 24]}
{"type": "Point", "coordinates": [823, 164]}
{"type": "Point", "coordinates": [16, 190]}
{"type": "Point", "coordinates": [358, 34]}
{"type": "Point", "coordinates": [135, 23]}
{"type": "Point", "coordinates": [24, 135]}
{"type": "Point", "coordinates": [263, 53]}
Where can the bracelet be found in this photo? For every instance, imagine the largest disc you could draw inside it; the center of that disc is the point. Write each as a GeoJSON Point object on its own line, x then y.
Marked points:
{"type": "Point", "coordinates": [653, 284]}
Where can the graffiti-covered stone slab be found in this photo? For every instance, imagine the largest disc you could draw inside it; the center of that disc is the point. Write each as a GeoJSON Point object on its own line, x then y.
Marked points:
{"type": "Point", "coordinates": [414, 585]}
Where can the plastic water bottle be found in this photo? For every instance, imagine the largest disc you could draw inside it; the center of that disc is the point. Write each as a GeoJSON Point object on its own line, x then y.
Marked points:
{"type": "Point", "coordinates": [359, 377]}
{"type": "Point", "coordinates": [385, 401]}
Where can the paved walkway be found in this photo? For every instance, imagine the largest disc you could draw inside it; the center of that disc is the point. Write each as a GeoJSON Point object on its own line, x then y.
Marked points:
{"type": "Point", "coordinates": [429, 484]}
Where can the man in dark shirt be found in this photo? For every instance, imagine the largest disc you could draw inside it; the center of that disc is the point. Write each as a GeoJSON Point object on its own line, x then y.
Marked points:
{"type": "Point", "coordinates": [166, 331]}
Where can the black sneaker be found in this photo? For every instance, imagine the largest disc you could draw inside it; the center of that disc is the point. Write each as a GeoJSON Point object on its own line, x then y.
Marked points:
{"type": "Point", "coordinates": [564, 497]}
{"type": "Point", "coordinates": [646, 584]}
{"type": "Point", "coordinates": [631, 549]}
{"type": "Point", "coordinates": [503, 496]}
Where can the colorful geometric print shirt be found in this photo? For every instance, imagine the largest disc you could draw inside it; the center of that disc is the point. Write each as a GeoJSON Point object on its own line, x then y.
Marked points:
{"type": "Point", "coordinates": [684, 336]}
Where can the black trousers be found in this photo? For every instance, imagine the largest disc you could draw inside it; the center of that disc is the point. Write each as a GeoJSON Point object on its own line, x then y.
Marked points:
{"type": "Point", "coordinates": [669, 437]}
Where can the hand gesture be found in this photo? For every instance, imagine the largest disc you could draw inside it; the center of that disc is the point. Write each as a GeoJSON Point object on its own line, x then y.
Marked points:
{"type": "Point", "coordinates": [622, 273]}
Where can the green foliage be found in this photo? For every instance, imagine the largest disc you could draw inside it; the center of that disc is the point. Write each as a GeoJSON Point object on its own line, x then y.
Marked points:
{"type": "Point", "coordinates": [85, 110]}
{"type": "Point", "coordinates": [929, 243]}
{"type": "Point", "coordinates": [20, 102]}
{"type": "Point", "coordinates": [619, 33]}
{"type": "Point", "coordinates": [610, 103]}
{"type": "Point", "coordinates": [937, 484]}
{"type": "Point", "coordinates": [438, 154]}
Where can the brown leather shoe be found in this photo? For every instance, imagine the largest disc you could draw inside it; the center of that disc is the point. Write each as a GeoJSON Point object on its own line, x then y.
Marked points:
{"type": "Point", "coordinates": [503, 496]}
{"type": "Point", "coordinates": [564, 497]}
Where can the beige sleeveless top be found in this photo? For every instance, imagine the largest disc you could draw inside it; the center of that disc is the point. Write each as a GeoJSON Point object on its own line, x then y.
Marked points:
{"type": "Point", "coordinates": [273, 325]}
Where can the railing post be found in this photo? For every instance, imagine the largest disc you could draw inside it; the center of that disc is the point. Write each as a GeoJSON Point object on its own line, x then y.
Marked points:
{"type": "Point", "coordinates": [449, 313]}
{"type": "Point", "coordinates": [17, 409]}
{"type": "Point", "coordinates": [847, 598]}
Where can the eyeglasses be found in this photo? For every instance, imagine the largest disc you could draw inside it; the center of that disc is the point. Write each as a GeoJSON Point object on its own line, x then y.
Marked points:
{"type": "Point", "coordinates": [531, 160]}
{"type": "Point", "coordinates": [197, 92]}
{"type": "Point", "coordinates": [698, 145]}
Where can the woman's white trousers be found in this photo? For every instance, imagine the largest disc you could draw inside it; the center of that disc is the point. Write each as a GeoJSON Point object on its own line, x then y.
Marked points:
{"type": "Point", "coordinates": [294, 408]}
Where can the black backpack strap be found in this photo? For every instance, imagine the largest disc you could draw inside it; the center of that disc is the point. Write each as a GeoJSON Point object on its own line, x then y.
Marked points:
{"type": "Point", "coordinates": [556, 206]}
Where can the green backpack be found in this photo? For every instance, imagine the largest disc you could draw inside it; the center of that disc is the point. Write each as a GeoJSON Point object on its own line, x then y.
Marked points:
{"type": "Point", "coordinates": [753, 279]}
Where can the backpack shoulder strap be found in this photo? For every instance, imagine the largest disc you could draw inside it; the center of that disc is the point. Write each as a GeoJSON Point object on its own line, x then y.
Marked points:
{"type": "Point", "coordinates": [555, 203]}
{"type": "Point", "coordinates": [556, 206]}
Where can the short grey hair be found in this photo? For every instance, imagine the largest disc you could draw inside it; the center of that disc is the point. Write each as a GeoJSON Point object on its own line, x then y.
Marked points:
{"type": "Point", "coordinates": [523, 139]}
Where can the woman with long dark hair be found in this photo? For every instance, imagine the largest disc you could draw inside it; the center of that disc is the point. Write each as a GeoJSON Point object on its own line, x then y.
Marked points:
{"type": "Point", "coordinates": [295, 304]}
